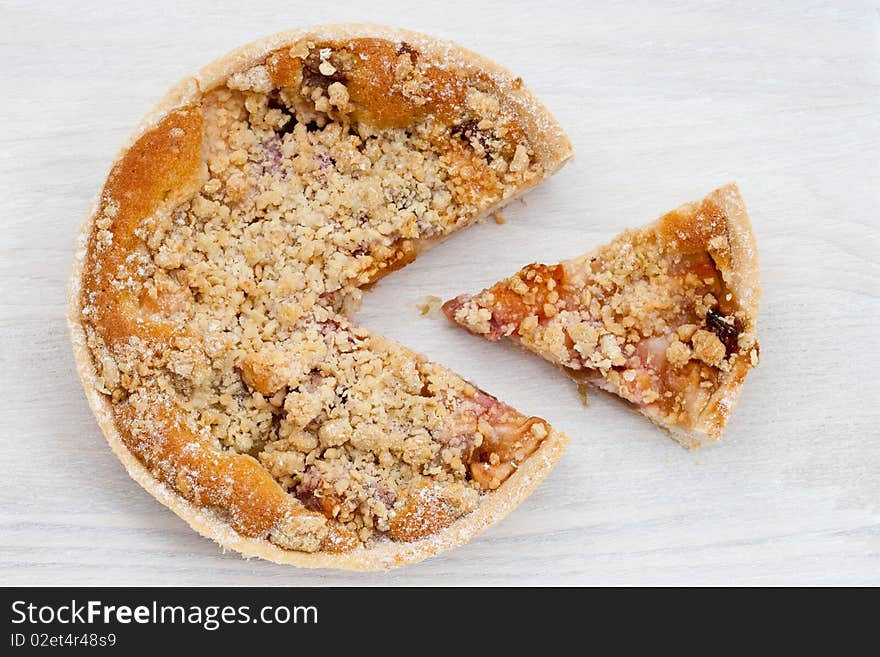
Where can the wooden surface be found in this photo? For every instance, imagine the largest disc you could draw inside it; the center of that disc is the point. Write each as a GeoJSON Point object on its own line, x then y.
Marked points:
{"type": "Point", "coordinates": [662, 105]}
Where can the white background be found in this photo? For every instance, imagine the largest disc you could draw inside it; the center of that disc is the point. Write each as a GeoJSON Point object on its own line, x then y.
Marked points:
{"type": "Point", "coordinates": [663, 102]}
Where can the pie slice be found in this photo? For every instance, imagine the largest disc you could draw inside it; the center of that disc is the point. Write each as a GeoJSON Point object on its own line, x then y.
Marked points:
{"type": "Point", "coordinates": [213, 292]}
{"type": "Point", "coordinates": [663, 316]}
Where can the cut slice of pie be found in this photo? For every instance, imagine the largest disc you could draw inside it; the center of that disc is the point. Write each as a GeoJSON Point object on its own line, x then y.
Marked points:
{"type": "Point", "coordinates": [213, 292]}
{"type": "Point", "coordinates": [663, 316]}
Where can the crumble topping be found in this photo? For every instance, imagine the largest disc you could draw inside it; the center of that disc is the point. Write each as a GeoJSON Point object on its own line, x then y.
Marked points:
{"type": "Point", "coordinates": [323, 169]}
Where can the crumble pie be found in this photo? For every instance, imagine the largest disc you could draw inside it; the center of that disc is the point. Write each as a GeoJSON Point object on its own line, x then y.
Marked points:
{"type": "Point", "coordinates": [213, 297]}
{"type": "Point", "coordinates": [663, 316]}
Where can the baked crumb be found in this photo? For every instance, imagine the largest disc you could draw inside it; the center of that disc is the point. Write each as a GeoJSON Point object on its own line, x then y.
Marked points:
{"type": "Point", "coordinates": [430, 307]}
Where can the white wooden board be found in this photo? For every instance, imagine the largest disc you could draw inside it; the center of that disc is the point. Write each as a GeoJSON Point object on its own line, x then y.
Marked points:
{"type": "Point", "coordinates": [663, 102]}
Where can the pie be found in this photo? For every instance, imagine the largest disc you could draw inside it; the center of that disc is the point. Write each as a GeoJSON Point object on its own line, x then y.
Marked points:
{"type": "Point", "coordinates": [663, 316]}
{"type": "Point", "coordinates": [216, 280]}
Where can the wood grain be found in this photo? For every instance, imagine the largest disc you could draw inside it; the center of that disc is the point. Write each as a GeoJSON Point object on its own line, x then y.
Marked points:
{"type": "Point", "coordinates": [663, 102]}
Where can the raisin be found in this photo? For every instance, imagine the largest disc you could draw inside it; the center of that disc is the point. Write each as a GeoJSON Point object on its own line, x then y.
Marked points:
{"type": "Point", "coordinates": [465, 129]}
{"type": "Point", "coordinates": [405, 48]}
{"type": "Point", "coordinates": [727, 330]}
{"type": "Point", "coordinates": [468, 130]}
{"type": "Point", "coordinates": [312, 76]}
{"type": "Point", "coordinates": [274, 102]}
{"type": "Point", "coordinates": [287, 128]}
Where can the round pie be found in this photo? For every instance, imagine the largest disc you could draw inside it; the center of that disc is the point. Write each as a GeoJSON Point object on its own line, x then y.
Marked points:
{"type": "Point", "coordinates": [215, 283]}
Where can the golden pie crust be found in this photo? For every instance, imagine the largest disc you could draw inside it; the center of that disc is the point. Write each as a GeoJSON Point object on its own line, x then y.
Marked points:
{"type": "Point", "coordinates": [214, 282]}
{"type": "Point", "coordinates": [663, 316]}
